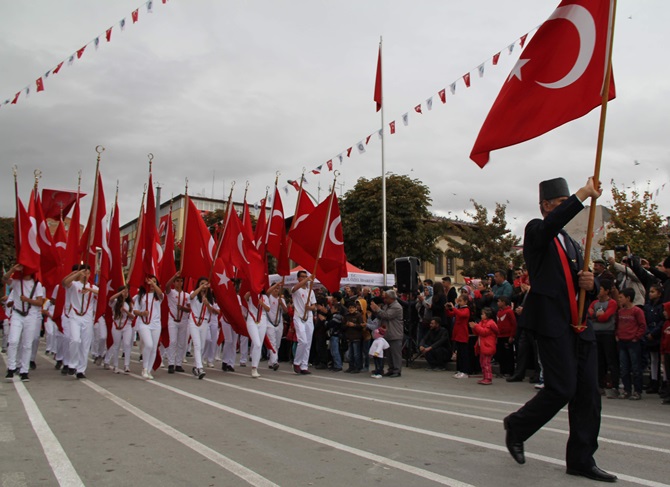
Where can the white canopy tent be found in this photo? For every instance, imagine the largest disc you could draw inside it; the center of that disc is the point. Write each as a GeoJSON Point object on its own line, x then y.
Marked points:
{"type": "Point", "coordinates": [356, 277]}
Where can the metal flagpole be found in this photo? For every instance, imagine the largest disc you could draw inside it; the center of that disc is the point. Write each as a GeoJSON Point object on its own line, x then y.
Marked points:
{"type": "Point", "coordinates": [384, 249]}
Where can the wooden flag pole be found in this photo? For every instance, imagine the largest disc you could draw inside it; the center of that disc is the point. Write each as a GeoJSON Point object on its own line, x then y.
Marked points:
{"type": "Point", "coordinates": [267, 237]}
{"type": "Point", "coordinates": [183, 228]}
{"type": "Point", "coordinates": [599, 153]}
{"type": "Point", "coordinates": [229, 206]}
{"type": "Point", "coordinates": [94, 207]}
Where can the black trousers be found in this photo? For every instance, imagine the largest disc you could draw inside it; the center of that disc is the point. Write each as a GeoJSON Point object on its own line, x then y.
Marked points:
{"type": "Point", "coordinates": [570, 367]}
{"type": "Point", "coordinates": [608, 359]}
{"type": "Point", "coordinates": [505, 355]}
{"type": "Point", "coordinates": [526, 355]}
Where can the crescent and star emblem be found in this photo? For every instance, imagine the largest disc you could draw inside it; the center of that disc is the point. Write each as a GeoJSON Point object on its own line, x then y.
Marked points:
{"type": "Point", "coordinates": [32, 236]}
{"type": "Point", "coordinates": [333, 228]}
{"type": "Point", "coordinates": [240, 241]}
{"type": "Point", "coordinates": [582, 20]}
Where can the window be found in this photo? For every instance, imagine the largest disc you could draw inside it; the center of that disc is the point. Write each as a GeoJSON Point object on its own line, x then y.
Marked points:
{"type": "Point", "coordinates": [451, 266]}
{"type": "Point", "coordinates": [439, 264]}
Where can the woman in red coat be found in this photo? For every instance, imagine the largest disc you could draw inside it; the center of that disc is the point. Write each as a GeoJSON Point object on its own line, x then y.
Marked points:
{"type": "Point", "coordinates": [487, 331]}
{"type": "Point", "coordinates": [461, 334]}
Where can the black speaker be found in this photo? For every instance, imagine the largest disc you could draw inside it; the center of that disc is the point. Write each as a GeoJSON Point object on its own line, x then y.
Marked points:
{"type": "Point", "coordinates": [407, 274]}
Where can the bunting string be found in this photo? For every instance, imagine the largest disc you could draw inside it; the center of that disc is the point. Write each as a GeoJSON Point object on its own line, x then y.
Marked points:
{"type": "Point", "coordinates": [75, 56]}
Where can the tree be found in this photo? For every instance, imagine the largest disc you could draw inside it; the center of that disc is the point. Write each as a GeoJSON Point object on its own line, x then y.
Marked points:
{"type": "Point", "coordinates": [7, 252]}
{"type": "Point", "coordinates": [411, 229]}
{"type": "Point", "coordinates": [635, 222]}
{"type": "Point", "coordinates": [486, 246]}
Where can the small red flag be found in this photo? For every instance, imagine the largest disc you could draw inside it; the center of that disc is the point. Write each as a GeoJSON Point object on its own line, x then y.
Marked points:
{"type": "Point", "coordinates": [558, 78]}
{"type": "Point", "coordinates": [108, 34]}
{"type": "Point", "coordinates": [330, 165]}
{"type": "Point", "coordinates": [378, 81]}
{"type": "Point", "coordinates": [367, 139]}
{"type": "Point", "coordinates": [466, 78]}
{"type": "Point", "coordinates": [60, 65]}
{"type": "Point", "coordinates": [16, 98]}
{"type": "Point", "coordinates": [443, 95]}
{"type": "Point", "coordinates": [392, 126]}
{"type": "Point", "coordinates": [349, 151]}
{"type": "Point", "coordinates": [135, 15]}
{"type": "Point", "coordinates": [40, 85]}
{"type": "Point", "coordinates": [417, 109]}
{"type": "Point", "coordinates": [80, 52]}
{"type": "Point", "coordinates": [523, 39]}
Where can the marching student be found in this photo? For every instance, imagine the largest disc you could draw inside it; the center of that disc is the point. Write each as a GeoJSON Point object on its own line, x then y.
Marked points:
{"type": "Point", "coordinates": [211, 344]}
{"type": "Point", "coordinates": [83, 302]}
{"type": "Point", "coordinates": [303, 321]}
{"type": "Point", "coordinates": [5, 315]}
{"type": "Point", "coordinates": [27, 294]}
{"type": "Point", "coordinates": [67, 368]}
{"type": "Point", "coordinates": [147, 307]}
{"type": "Point", "coordinates": [122, 330]}
{"type": "Point", "coordinates": [99, 346]}
{"type": "Point", "coordinates": [50, 329]}
{"type": "Point", "coordinates": [179, 308]}
{"type": "Point", "coordinates": [257, 324]}
{"type": "Point", "coordinates": [198, 324]}
{"type": "Point", "coordinates": [230, 337]}
{"type": "Point", "coordinates": [275, 329]}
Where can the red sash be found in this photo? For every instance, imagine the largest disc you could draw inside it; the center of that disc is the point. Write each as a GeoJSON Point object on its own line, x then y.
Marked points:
{"type": "Point", "coordinates": [572, 296]}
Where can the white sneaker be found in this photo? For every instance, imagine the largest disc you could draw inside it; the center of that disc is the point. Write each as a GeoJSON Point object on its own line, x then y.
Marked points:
{"type": "Point", "coordinates": [116, 370]}
{"type": "Point", "coordinates": [539, 385]}
{"type": "Point", "coordinates": [145, 374]}
{"type": "Point", "coordinates": [461, 375]}
{"type": "Point", "coordinates": [126, 371]}
{"type": "Point", "coordinates": [457, 374]}
{"type": "Point", "coordinates": [210, 364]}
{"type": "Point", "coordinates": [254, 373]}
{"type": "Point", "coordinates": [376, 376]}
{"type": "Point", "coordinates": [106, 366]}
{"type": "Point", "coordinates": [151, 377]}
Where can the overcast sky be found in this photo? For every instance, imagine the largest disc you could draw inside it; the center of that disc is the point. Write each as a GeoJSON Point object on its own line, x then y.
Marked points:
{"type": "Point", "coordinates": [238, 90]}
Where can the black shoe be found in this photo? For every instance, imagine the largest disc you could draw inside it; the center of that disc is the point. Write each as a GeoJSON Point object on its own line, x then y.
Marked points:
{"type": "Point", "coordinates": [321, 367]}
{"type": "Point", "coordinates": [388, 373]}
{"type": "Point", "coordinates": [64, 370]}
{"type": "Point", "coordinates": [70, 371]}
{"type": "Point", "coordinates": [514, 378]}
{"type": "Point", "coordinates": [140, 357]}
{"type": "Point", "coordinates": [514, 446]}
{"type": "Point", "coordinates": [80, 375]}
{"type": "Point", "coordinates": [336, 369]}
{"type": "Point", "coordinates": [188, 354]}
{"type": "Point", "coordinates": [243, 365]}
{"type": "Point", "coordinates": [534, 379]}
{"type": "Point", "coordinates": [305, 372]}
{"type": "Point", "coordinates": [296, 368]}
{"type": "Point", "coordinates": [33, 365]}
{"type": "Point", "coordinates": [201, 374]}
{"type": "Point", "coordinates": [231, 368]}
{"type": "Point", "coordinates": [355, 371]}
{"type": "Point", "coordinates": [275, 367]}
{"type": "Point", "coordinates": [179, 368]}
{"type": "Point", "coordinates": [59, 364]}
{"type": "Point", "coordinates": [24, 377]}
{"type": "Point", "coordinates": [394, 374]}
{"type": "Point", "coordinates": [10, 374]}
{"type": "Point", "coordinates": [593, 473]}
{"type": "Point", "coordinates": [170, 369]}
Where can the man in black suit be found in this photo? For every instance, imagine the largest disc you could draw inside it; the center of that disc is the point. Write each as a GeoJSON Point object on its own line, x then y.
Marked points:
{"type": "Point", "coordinates": [567, 347]}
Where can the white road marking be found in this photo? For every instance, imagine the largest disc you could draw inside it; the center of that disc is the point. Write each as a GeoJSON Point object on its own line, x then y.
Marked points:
{"type": "Point", "coordinates": [233, 467]}
{"type": "Point", "coordinates": [58, 460]}
{"type": "Point", "coordinates": [420, 472]}
{"type": "Point", "coordinates": [14, 479]}
{"type": "Point", "coordinates": [453, 413]}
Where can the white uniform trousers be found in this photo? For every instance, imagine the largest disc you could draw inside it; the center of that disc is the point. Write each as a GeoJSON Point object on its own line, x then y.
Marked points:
{"type": "Point", "coordinates": [36, 340]}
{"type": "Point", "coordinates": [303, 331]}
{"type": "Point", "coordinates": [178, 331]}
{"type": "Point", "coordinates": [5, 334]}
{"type": "Point", "coordinates": [149, 340]}
{"type": "Point", "coordinates": [211, 345]}
{"type": "Point", "coordinates": [59, 341]}
{"type": "Point", "coordinates": [50, 335]}
{"type": "Point", "coordinates": [256, 335]}
{"type": "Point", "coordinates": [229, 344]}
{"type": "Point", "coordinates": [198, 338]}
{"type": "Point", "coordinates": [99, 347]}
{"type": "Point", "coordinates": [65, 343]}
{"type": "Point", "coordinates": [20, 341]}
{"type": "Point", "coordinates": [81, 336]}
{"type": "Point", "coordinates": [274, 335]}
{"type": "Point", "coordinates": [123, 336]}
{"type": "Point", "coordinates": [244, 349]}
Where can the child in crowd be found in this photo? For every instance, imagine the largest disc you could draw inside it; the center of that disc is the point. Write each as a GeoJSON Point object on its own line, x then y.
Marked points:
{"type": "Point", "coordinates": [653, 314]}
{"type": "Point", "coordinates": [602, 316]}
{"type": "Point", "coordinates": [353, 332]}
{"type": "Point", "coordinates": [665, 345]}
{"type": "Point", "coordinates": [379, 344]}
{"type": "Point", "coordinates": [487, 331]}
{"type": "Point", "coordinates": [506, 321]}
{"type": "Point", "coordinates": [630, 329]}
{"type": "Point", "coordinates": [460, 336]}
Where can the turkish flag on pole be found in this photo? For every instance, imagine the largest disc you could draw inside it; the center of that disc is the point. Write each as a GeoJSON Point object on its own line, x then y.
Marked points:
{"type": "Point", "coordinates": [378, 80]}
{"type": "Point", "coordinates": [223, 288]}
{"type": "Point", "coordinates": [95, 233]}
{"type": "Point", "coordinates": [276, 236]}
{"type": "Point", "coordinates": [28, 249]}
{"type": "Point", "coordinates": [238, 249]}
{"type": "Point", "coordinates": [320, 237]}
{"type": "Point", "coordinates": [104, 286]}
{"type": "Point", "coordinates": [49, 261]}
{"type": "Point", "coordinates": [152, 248]}
{"type": "Point", "coordinates": [60, 242]}
{"type": "Point", "coordinates": [197, 249]}
{"type": "Point", "coordinates": [116, 268]}
{"type": "Point", "coordinates": [57, 204]}
{"type": "Point", "coordinates": [558, 78]}
{"type": "Point", "coordinates": [304, 207]}
{"type": "Point", "coordinates": [259, 240]}
{"type": "Point", "coordinates": [168, 269]}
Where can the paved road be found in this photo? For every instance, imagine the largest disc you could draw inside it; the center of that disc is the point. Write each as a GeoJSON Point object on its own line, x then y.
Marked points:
{"type": "Point", "coordinates": [327, 429]}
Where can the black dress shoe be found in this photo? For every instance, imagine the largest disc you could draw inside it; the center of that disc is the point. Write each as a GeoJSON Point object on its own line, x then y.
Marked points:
{"type": "Point", "coordinates": [514, 378]}
{"type": "Point", "coordinates": [179, 368]}
{"type": "Point", "coordinates": [593, 473]}
{"type": "Point", "coordinates": [514, 446]}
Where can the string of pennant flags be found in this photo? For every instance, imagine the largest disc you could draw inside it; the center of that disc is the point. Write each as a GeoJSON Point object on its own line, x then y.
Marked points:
{"type": "Point", "coordinates": [75, 56]}
{"type": "Point", "coordinates": [418, 109]}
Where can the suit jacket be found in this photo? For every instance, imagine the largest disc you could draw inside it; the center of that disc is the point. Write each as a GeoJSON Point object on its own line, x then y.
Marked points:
{"type": "Point", "coordinates": [547, 308]}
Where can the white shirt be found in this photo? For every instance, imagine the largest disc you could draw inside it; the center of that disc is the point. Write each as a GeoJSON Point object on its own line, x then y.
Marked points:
{"type": "Point", "coordinates": [199, 313]}
{"type": "Point", "coordinates": [378, 345]}
{"type": "Point", "coordinates": [275, 315]}
{"type": "Point", "coordinates": [175, 298]}
{"type": "Point", "coordinates": [82, 304]}
{"type": "Point", "coordinates": [213, 317]}
{"type": "Point", "coordinates": [24, 287]}
{"type": "Point", "coordinates": [124, 319]}
{"type": "Point", "coordinates": [299, 300]}
{"type": "Point", "coordinates": [253, 311]}
{"type": "Point", "coordinates": [151, 303]}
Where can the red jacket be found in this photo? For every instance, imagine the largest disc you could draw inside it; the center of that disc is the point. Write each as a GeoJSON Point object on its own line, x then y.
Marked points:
{"type": "Point", "coordinates": [506, 323]}
{"type": "Point", "coordinates": [487, 330]}
{"type": "Point", "coordinates": [630, 324]}
{"type": "Point", "coordinates": [461, 331]}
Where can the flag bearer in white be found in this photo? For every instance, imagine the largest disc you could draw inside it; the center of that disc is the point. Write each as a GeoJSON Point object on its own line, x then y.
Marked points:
{"type": "Point", "coordinates": [147, 306]}
{"type": "Point", "coordinates": [99, 347]}
{"type": "Point", "coordinates": [212, 338]}
{"type": "Point", "coordinates": [275, 324]}
{"type": "Point", "coordinates": [28, 296]}
{"type": "Point", "coordinates": [230, 337]}
{"type": "Point", "coordinates": [122, 330]}
{"type": "Point", "coordinates": [303, 322]}
{"type": "Point", "coordinates": [257, 325]}
{"type": "Point", "coordinates": [179, 308]}
{"type": "Point", "coordinates": [198, 324]}
{"type": "Point", "coordinates": [83, 301]}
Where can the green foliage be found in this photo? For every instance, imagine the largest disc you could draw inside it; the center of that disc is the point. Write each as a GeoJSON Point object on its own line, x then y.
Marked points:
{"type": "Point", "coordinates": [635, 222]}
{"type": "Point", "coordinates": [7, 253]}
{"type": "Point", "coordinates": [411, 229]}
{"type": "Point", "coordinates": [486, 246]}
